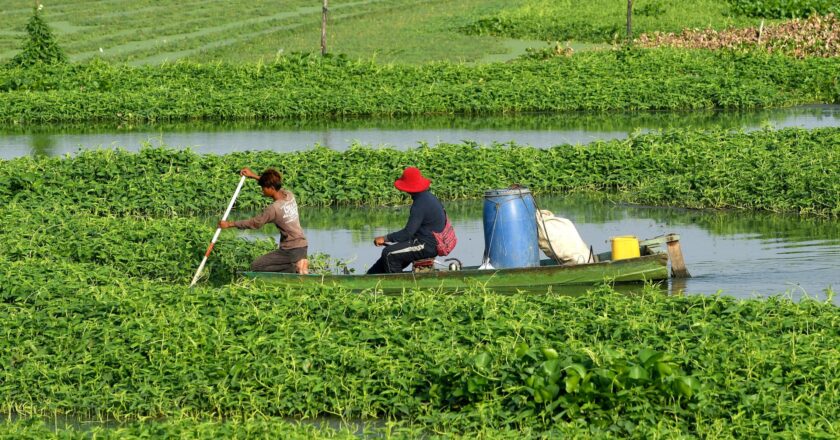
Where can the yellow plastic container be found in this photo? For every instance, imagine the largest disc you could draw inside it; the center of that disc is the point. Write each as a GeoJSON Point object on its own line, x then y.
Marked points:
{"type": "Point", "coordinates": [625, 246]}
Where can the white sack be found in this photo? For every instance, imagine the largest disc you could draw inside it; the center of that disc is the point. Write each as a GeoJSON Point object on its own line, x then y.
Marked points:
{"type": "Point", "coordinates": [565, 245]}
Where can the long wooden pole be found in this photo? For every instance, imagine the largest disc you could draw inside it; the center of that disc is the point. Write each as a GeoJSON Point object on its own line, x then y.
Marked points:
{"type": "Point", "coordinates": [678, 269]}
{"type": "Point", "coordinates": [324, 11]}
{"type": "Point", "coordinates": [218, 231]}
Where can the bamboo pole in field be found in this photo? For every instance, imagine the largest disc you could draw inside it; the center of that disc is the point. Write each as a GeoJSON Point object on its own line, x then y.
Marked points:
{"type": "Point", "coordinates": [629, 21]}
{"type": "Point", "coordinates": [760, 31]}
{"type": "Point", "coordinates": [324, 11]}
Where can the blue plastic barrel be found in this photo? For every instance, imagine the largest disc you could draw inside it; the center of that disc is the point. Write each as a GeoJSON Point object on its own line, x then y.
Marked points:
{"type": "Point", "coordinates": [510, 228]}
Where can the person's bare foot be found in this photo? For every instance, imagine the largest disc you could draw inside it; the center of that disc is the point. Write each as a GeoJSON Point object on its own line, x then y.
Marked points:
{"type": "Point", "coordinates": [302, 266]}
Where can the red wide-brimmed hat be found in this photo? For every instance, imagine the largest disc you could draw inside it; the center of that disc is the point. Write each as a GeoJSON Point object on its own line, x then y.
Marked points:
{"type": "Point", "coordinates": [412, 181]}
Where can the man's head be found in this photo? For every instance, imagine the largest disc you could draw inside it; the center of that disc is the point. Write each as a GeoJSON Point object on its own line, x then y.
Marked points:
{"type": "Point", "coordinates": [271, 178]}
{"type": "Point", "coordinates": [270, 181]}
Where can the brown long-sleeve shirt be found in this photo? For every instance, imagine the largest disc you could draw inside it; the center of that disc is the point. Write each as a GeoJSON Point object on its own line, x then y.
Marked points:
{"type": "Point", "coordinates": [284, 214]}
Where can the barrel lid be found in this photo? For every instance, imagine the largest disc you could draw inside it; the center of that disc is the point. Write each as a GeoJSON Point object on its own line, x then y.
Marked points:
{"type": "Point", "coordinates": [507, 192]}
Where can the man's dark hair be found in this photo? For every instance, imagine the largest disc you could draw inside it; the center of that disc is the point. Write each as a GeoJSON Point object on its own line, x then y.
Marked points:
{"type": "Point", "coordinates": [270, 178]}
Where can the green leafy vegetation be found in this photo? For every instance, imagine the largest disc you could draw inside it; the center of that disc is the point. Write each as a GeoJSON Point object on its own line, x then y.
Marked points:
{"type": "Point", "coordinates": [601, 364]}
{"type": "Point", "coordinates": [164, 249]}
{"type": "Point", "coordinates": [784, 8]}
{"type": "Point", "coordinates": [98, 322]}
{"type": "Point", "coordinates": [791, 170]}
{"type": "Point", "coordinates": [68, 429]}
{"type": "Point", "coordinates": [316, 87]}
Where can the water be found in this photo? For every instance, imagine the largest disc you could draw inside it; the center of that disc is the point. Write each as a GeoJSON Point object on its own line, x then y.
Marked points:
{"type": "Point", "coordinates": [742, 254]}
{"type": "Point", "coordinates": [738, 253]}
{"type": "Point", "coordinates": [539, 130]}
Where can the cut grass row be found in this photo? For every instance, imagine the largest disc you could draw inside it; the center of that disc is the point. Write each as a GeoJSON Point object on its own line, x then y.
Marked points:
{"type": "Point", "coordinates": [240, 31]}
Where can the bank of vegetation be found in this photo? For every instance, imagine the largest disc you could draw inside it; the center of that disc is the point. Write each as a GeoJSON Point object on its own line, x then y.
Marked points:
{"type": "Point", "coordinates": [98, 323]}
{"type": "Point", "coordinates": [96, 250]}
{"type": "Point", "coordinates": [311, 86]}
{"type": "Point", "coordinates": [94, 346]}
{"type": "Point", "coordinates": [783, 8]}
{"type": "Point", "coordinates": [790, 170]}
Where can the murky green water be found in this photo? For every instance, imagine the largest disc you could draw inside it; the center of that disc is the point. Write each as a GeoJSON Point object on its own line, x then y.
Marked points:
{"type": "Point", "coordinates": [743, 254]}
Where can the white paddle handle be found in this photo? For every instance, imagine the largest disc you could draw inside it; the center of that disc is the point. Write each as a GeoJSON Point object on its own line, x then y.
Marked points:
{"type": "Point", "coordinates": [218, 231]}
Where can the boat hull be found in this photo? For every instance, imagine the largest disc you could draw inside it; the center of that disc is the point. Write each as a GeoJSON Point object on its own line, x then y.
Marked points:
{"type": "Point", "coordinates": [645, 268]}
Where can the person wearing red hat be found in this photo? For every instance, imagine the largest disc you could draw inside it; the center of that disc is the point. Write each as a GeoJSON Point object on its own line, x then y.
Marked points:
{"type": "Point", "coordinates": [416, 241]}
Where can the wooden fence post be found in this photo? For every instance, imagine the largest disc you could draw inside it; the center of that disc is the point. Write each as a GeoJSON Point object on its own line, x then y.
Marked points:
{"type": "Point", "coordinates": [324, 11]}
{"type": "Point", "coordinates": [629, 21]}
{"type": "Point", "coordinates": [678, 269]}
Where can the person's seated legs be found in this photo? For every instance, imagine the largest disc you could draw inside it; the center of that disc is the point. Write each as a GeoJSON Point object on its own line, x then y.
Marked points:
{"type": "Point", "coordinates": [282, 260]}
{"type": "Point", "coordinates": [398, 256]}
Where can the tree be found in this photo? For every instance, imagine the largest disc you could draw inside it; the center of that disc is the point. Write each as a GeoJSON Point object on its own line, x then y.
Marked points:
{"type": "Point", "coordinates": [40, 46]}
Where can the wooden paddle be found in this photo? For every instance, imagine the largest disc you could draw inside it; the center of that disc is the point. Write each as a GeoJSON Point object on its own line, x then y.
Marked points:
{"type": "Point", "coordinates": [218, 231]}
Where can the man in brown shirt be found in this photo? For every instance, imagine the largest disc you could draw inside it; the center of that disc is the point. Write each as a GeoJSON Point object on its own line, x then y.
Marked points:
{"type": "Point", "coordinates": [290, 257]}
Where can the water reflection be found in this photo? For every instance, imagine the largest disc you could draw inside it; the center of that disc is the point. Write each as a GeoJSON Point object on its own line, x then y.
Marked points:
{"type": "Point", "coordinates": [539, 130]}
{"type": "Point", "coordinates": [42, 144]}
{"type": "Point", "coordinates": [739, 253]}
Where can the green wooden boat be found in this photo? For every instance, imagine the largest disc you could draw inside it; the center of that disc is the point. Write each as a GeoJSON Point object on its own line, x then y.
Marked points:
{"type": "Point", "coordinates": [651, 265]}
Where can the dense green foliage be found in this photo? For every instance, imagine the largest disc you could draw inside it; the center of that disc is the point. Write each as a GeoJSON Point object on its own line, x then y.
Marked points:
{"type": "Point", "coordinates": [97, 321]}
{"type": "Point", "coordinates": [784, 8]}
{"type": "Point", "coordinates": [599, 364]}
{"type": "Point", "coordinates": [40, 45]}
{"type": "Point", "coordinates": [184, 429]}
{"type": "Point", "coordinates": [786, 170]}
{"type": "Point", "coordinates": [602, 20]}
{"type": "Point", "coordinates": [311, 86]}
{"type": "Point", "coordinates": [96, 249]}
{"type": "Point", "coordinates": [165, 249]}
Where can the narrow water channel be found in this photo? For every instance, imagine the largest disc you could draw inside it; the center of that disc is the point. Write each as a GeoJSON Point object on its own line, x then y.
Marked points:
{"type": "Point", "coordinates": [741, 254]}
{"type": "Point", "coordinates": [736, 253]}
{"type": "Point", "coordinates": [539, 130]}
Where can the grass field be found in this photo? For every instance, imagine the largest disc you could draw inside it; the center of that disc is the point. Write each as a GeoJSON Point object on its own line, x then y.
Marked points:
{"type": "Point", "coordinates": [407, 31]}
{"type": "Point", "coordinates": [604, 20]}
{"type": "Point", "coordinates": [151, 31]}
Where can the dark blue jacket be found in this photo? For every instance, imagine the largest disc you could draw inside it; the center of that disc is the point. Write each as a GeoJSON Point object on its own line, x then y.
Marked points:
{"type": "Point", "coordinates": [427, 216]}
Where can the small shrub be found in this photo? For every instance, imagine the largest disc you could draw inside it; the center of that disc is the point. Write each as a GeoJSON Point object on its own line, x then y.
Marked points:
{"type": "Point", "coordinates": [40, 45]}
